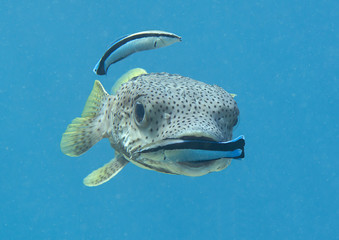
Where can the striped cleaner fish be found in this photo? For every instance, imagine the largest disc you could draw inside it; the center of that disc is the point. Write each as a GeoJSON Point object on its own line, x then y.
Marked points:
{"type": "Point", "coordinates": [157, 121]}
{"type": "Point", "coordinates": [133, 43]}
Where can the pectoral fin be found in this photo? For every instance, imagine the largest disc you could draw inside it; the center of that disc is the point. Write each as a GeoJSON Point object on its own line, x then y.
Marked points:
{"type": "Point", "coordinates": [106, 172]}
{"type": "Point", "coordinates": [91, 127]}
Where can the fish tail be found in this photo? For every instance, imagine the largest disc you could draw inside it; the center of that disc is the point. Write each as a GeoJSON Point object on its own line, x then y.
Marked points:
{"type": "Point", "coordinates": [99, 68]}
{"type": "Point", "coordinates": [91, 127]}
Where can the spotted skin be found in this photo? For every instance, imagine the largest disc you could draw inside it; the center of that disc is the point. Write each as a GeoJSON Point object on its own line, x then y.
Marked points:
{"type": "Point", "coordinates": [175, 106]}
{"type": "Point", "coordinates": [146, 111]}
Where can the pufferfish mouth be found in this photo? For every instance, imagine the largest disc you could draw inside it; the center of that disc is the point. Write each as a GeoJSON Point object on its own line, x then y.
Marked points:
{"type": "Point", "coordinates": [195, 149]}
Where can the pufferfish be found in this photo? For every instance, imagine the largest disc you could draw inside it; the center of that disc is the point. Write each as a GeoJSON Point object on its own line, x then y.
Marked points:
{"type": "Point", "coordinates": [158, 121]}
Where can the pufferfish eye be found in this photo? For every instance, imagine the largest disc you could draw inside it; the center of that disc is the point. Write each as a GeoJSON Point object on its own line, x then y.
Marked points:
{"type": "Point", "coordinates": [139, 113]}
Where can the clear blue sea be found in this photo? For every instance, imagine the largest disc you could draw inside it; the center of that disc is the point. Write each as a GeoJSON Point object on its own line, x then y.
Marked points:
{"type": "Point", "coordinates": [281, 58]}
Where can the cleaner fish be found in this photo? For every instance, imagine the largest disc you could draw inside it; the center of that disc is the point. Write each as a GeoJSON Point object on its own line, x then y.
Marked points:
{"type": "Point", "coordinates": [136, 42]}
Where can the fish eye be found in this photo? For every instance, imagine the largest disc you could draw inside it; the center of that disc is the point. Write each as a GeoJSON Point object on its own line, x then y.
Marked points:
{"type": "Point", "coordinates": [139, 113]}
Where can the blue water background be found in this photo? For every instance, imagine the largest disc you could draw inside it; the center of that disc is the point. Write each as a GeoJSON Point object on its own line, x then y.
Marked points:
{"type": "Point", "coordinates": [280, 57]}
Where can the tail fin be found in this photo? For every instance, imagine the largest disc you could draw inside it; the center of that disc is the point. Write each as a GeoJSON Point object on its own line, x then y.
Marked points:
{"type": "Point", "coordinates": [91, 127]}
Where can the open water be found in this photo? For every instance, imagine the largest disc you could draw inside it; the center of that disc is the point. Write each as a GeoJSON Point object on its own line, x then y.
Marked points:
{"type": "Point", "coordinates": [279, 57]}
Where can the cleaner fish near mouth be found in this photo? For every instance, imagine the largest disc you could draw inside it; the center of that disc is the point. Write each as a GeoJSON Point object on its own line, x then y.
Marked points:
{"type": "Point", "coordinates": [158, 121]}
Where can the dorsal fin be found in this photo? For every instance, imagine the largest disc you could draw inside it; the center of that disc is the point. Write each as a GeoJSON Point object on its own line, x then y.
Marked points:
{"type": "Point", "coordinates": [92, 126]}
{"type": "Point", "coordinates": [126, 77]}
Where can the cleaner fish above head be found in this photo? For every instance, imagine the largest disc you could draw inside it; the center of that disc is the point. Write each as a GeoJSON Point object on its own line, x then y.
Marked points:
{"type": "Point", "coordinates": [158, 121]}
{"type": "Point", "coordinates": [133, 43]}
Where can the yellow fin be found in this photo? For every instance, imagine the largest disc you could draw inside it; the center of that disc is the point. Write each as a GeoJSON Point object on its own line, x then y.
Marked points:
{"type": "Point", "coordinates": [106, 172]}
{"type": "Point", "coordinates": [233, 95]}
{"type": "Point", "coordinates": [94, 102]}
{"type": "Point", "coordinates": [126, 77]}
{"type": "Point", "coordinates": [91, 127]}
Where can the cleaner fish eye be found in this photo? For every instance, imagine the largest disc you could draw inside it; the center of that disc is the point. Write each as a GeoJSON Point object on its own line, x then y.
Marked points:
{"type": "Point", "coordinates": [157, 121]}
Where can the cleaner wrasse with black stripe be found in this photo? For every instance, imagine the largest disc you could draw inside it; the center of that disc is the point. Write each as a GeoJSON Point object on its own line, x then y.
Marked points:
{"type": "Point", "coordinates": [158, 121]}
{"type": "Point", "coordinates": [133, 43]}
